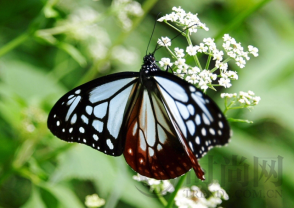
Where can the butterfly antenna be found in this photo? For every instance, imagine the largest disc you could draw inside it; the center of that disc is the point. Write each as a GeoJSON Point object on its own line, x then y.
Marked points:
{"type": "Point", "coordinates": [156, 48]}
{"type": "Point", "coordinates": [152, 32]}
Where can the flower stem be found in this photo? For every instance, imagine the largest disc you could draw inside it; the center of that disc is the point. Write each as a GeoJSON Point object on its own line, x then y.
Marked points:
{"type": "Point", "coordinates": [14, 43]}
{"type": "Point", "coordinates": [160, 197]}
{"type": "Point", "coordinates": [177, 188]}
{"type": "Point", "coordinates": [195, 56]}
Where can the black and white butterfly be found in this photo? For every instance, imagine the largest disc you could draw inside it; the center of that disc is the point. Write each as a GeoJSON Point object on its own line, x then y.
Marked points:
{"type": "Point", "coordinates": [161, 123]}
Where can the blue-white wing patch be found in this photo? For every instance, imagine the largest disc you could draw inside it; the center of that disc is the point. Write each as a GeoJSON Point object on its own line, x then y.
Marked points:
{"type": "Point", "coordinates": [93, 113]}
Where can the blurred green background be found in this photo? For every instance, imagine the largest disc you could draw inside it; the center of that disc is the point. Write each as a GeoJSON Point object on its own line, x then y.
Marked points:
{"type": "Point", "coordinates": [49, 47]}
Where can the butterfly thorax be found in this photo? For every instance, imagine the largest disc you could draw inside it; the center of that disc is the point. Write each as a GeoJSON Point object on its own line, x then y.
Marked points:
{"type": "Point", "coordinates": [149, 65]}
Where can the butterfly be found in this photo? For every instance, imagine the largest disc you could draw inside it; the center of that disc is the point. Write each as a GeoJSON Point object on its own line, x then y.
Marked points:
{"type": "Point", "coordinates": [160, 123]}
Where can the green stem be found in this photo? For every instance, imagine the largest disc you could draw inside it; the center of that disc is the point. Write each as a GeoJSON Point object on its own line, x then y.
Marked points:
{"type": "Point", "coordinates": [195, 56]}
{"type": "Point", "coordinates": [160, 197]}
{"type": "Point", "coordinates": [177, 188]}
{"type": "Point", "coordinates": [175, 28]}
{"type": "Point", "coordinates": [208, 62]}
{"type": "Point", "coordinates": [14, 43]}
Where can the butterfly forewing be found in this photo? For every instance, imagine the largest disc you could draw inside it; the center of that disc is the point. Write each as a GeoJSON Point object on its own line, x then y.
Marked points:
{"type": "Point", "coordinates": [200, 120]}
{"type": "Point", "coordinates": [152, 147]}
{"type": "Point", "coordinates": [93, 113]}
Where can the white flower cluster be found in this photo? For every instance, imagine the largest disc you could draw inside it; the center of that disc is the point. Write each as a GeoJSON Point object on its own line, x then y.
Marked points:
{"type": "Point", "coordinates": [236, 51]}
{"type": "Point", "coordinates": [204, 78]}
{"type": "Point", "coordinates": [194, 197]}
{"type": "Point", "coordinates": [162, 186]}
{"type": "Point", "coordinates": [126, 8]}
{"type": "Point", "coordinates": [180, 17]}
{"type": "Point", "coordinates": [94, 201]}
{"type": "Point", "coordinates": [246, 98]}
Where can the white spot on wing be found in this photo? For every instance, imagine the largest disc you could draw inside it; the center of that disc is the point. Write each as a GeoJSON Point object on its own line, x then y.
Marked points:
{"type": "Point", "coordinates": [116, 111]}
{"type": "Point", "coordinates": [85, 119]}
{"type": "Point", "coordinates": [220, 124]}
{"type": "Point", "coordinates": [197, 140]}
{"type": "Point", "coordinates": [173, 108]}
{"type": "Point", "coordinates": [197, 120]}
{"type": "Point", "coordinates": [72, 107]}
{"type": "Point", "coordinates": [142, 141]}
{"type": "Point", "coordinates": [200, 102]}
{"type": "Point", "coordinates": [70, 101]}
{"type": "Point", "coordinates": [73, 119]}
{"type": "Point", "coordinates": [205, 119]}
{"type": "Point", "coordinates": [159, 147]}
{"type": "Point", "coordinates": [191, 146]}
{"type": "Point", "coordinates": [105, 91]}
{"type": "Point", "coordinates": [151, 151]}
{"type": "Point", "coordinates": [161, 134]}
{"type": "Point", "coordinates": [100, 110]}
{"type": "Point", "coordinates": [211, 130]}
{"type": "Point", "coordinates": [147, 121]}
{"type": "Point", "coordinates": [77, 91]}
{"type": "Point", "coordinates": [192, 89]}
{"type": "Point", "coordinates": [98, 125]}
{"type": "Point", "coordinates": [95, 137]}
{"type": "Point", "coordinates": [135, 129]}
{"type": "Point", "coordinates": [89, 109]}
{"type": "Point", "coordinates": [183, 110]}
{"type": "Point", "coordinates": [191, 127]}
{"type": "Point", "coordinates": [174, 89]}
{"type": "Point", "coordinates": [203, 132]}
{"type": "Point", "coordinates": [109, 144]}
{"type": "Point", "coordinates": [191, 109]}
{"type": "Point", "coordinates": [58, 123]}
{"type": "Point", "coordinates": [82, 130]}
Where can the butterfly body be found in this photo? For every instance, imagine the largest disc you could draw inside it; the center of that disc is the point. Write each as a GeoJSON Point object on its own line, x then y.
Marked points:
{"type": "Point", "coordinates": [161, 123]}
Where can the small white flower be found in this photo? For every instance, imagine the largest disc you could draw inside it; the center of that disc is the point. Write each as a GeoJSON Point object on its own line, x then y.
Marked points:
{"type": "Point", "coordinates": [218, 55]}
{"type": "Point", "coordinates": [241, 100]}
{"type": "Point", "coordinates": [165, 62]}
{"type": "Point", "coordinates": [232, 75]}
{"type": "Point", "coordinates": [231, 54]}
{"type": "Point", "coordinates": [228, 95]}
{"type": "Point", "coordinates": [240, 62]}
{"type": "Point", "coordinates": [256, 100]}
{"type": "Point", "coordinates": [194, 70]}
{"type": "Point", "coordinates": [208, 41]}
{"type": "Point", "coordinates": [221, 65]}
{"type": "Point", "coordinates": [225, 82]}
{"type": "Point", "coordinates": [179, 52]}
{"type": "Point", "coordinates": [180, 62]}
{"type": "Point", "coordinates": [202, 48]}
{"type": "Point", "coordinates": [250, 92]}
{"type": "Point", "coordinates": [94, 201]}
{"type": "Point", "coordinates": [192, 50]}
{"type": "Point", "coordinates": [253, 50]}
{"type": "Point", "coordinates": [164, 41]}
{"type": "Point", "coordinates": [227, 37]}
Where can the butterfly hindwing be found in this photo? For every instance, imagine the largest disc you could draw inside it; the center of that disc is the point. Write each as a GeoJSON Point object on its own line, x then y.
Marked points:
{"type": "Point", "coordinates": [152, 147]}
{"type": "Point", "coordinates": [93, 113]}
{"type": "Point", "coordinates": [198, 117]}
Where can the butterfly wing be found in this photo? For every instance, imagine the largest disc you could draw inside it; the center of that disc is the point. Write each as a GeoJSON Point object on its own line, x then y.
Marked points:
{"type": "Point", "coordinates": [152, 147]}
{"type": "Point", "coordinates": [93, 113]}
{"type": "Point", "coordinates": [199, 119]}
